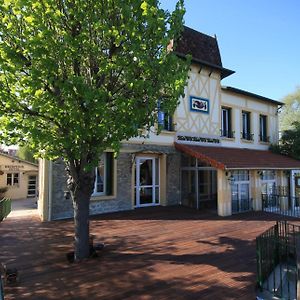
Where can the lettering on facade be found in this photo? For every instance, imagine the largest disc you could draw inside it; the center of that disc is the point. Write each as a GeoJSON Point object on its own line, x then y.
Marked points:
{"type": "Point", "coordinates": [13, 167]}
{"type": "Point", "coordinates": [199, 104]}
{"type": "Point", "coordinates": [186, 138]}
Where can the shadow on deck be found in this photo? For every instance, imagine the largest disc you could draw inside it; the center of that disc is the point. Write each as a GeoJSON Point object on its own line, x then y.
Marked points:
{"type": "Point", "coordinates": [150, 253]}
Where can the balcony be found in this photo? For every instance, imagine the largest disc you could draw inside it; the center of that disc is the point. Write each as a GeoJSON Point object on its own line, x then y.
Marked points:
{"type": "Point", "coordinates": [247, 136]}
{"type": "Point", "coordinates": [227, 134]}
{"type": "Point", "coordinates": [264, 138]}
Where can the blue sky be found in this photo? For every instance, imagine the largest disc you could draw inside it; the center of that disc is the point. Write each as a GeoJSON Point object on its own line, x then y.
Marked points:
{"type": "Point", "coordinates": [260, 40]}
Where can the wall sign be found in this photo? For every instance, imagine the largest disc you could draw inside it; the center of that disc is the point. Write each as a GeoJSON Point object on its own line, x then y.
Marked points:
{"type": "Point", "coordinates": [199, 104]}
{"type": "Point", "coordinates": [187, 138]}
{"type": "Point", "coordinates": [14, 167]}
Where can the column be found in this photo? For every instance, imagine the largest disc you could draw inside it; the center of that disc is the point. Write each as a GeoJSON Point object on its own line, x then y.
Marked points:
{"type": "Point", "coordinates": [224, 194]}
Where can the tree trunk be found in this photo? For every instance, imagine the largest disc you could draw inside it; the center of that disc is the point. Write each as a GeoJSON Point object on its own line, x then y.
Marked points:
{"type": "Point", "coordinates": [81, 188]}
{"type": "Point", "coordinates": [81, 201]}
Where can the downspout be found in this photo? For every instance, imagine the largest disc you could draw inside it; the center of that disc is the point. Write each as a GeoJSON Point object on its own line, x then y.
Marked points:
{"type": "Point", "coordinates": [50, 191]}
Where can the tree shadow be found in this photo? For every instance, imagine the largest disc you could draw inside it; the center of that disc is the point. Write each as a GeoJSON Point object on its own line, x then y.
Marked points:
{"type": "Point", "coordinates": [154, 255]}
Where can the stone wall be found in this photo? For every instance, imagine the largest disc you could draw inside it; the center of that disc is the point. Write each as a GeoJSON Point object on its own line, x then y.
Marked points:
{"type": "Point", "coordinates": [62, 206]}
{"type": "Point", "coordinates": [173, 179]}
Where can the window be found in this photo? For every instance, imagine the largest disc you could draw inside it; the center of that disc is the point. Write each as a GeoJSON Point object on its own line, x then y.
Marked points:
{"type": "Point", "coordinates": [165, 121]}
{"type": "Point", "coordinates": [12, 179]}
{"type": "Point", "coordinates": [226, 129]}
{"type": "Point", "coordinates": [240, 191]}
{"type": "Point", "coordinates": [263, 137]}
{"type": "Point", "coordinates": [246, 125]}
{"type": "Point", "coordinates": [104, 175]}
{"type": "Point", "coordinates": [268, 185]}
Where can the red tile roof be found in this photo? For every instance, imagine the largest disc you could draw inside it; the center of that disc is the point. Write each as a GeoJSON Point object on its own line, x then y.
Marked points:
{"type": "Point", "coordinates": [237, 158]}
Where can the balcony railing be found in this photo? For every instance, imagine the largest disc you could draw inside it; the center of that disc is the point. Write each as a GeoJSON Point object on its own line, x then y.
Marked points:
{"type": "Point", "coordinates": [264, 138]}
{"type": "Point", "coordinates": [247, 136]}
{"type": "Point", "coordinates": [227, 133]}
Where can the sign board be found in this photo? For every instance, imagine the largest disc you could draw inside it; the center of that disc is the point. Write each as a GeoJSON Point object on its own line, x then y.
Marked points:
{"type": "Point", "coordinates": [203, 139]}
{"type": "Point", "coordinates": [198, 104]}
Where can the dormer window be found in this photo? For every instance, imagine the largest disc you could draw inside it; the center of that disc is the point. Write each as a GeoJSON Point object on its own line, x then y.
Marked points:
{"type": "Point", "coordinates": [226, 127]}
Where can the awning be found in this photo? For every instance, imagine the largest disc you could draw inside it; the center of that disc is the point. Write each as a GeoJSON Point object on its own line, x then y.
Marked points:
{"type": "Point", "coordinates": [236, 158]}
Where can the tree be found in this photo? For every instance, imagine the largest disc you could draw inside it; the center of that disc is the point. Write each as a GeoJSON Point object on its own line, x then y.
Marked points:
{"type": "Point", "coordinates": [290, 112]}
{"type": "Point", "coordinates": [78, 77]}
{"type": "Point", "coordinates": [289, 143]}
{"type": "Point", "coordinates": [25, 153]}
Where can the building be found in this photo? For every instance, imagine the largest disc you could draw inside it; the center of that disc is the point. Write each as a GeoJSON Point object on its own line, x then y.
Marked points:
{"type": "Point", "coordinates": [18, 176]}
{"type": "Point", "coordinates": [212, 153]}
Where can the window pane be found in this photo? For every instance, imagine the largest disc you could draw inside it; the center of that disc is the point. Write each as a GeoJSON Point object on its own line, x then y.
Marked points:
{"type": "Point", "coordinates": [99, 184]}
{"type": "Point", "coordinates": [145, 172]}
{"type": "Point", "coordinates": [16, 178]}
{"type": "Point", "coordinates": [9, 179]}
{"type": "Point", "coordinates": [187, 161]}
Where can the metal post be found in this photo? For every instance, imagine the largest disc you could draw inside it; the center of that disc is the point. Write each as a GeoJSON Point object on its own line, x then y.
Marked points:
{"type": "Point", "coordinates": [298, 266]}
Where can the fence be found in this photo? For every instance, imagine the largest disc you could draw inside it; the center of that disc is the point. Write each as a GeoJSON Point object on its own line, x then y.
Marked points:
{"type": "Point", "coordinates": [281, 204]}
{"type": "Point", "coordinates": [276, 255]}
{"type": "Point", "coordinates": [5, 208]}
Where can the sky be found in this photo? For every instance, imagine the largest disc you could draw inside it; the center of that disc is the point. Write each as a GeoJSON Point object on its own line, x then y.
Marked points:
{"type": "Point", "coordinates": [258, 39]}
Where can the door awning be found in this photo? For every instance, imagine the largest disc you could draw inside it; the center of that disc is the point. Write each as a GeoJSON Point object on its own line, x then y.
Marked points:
{"type": "Point", "coordinates": [239, 158]}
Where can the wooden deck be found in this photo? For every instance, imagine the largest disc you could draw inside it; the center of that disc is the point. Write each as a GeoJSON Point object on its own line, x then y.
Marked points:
{"type": "Point", "coordinates": [153, 253]}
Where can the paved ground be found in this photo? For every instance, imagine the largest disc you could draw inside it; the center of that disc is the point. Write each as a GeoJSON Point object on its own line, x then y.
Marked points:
{"type": "Point", "coordinates": [23, 207]}
{"type": "Point", "coordinates": [154, 253]}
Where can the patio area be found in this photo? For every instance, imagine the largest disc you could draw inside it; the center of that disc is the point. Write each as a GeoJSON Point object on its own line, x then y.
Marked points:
{"type": "Point", "coordinates": [153, 253]}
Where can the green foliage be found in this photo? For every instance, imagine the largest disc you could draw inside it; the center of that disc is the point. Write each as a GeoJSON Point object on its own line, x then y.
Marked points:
{"type": "Point", "coordinates": [78, 77]}
{"type": "Point", "coordinates": [290, 112]}
{"type": "Point", "coordinates": [289, 142]}
{"type": "Point", "coordinates": [25, 153]}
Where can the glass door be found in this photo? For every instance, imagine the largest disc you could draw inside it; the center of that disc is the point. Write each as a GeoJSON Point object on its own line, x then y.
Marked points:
{"type": "Point", "coordinates": [32, 180]}
{"type": "Point", "coordinates": [146, 181]}
{"type": "Point", "coordinates": [240, 197]}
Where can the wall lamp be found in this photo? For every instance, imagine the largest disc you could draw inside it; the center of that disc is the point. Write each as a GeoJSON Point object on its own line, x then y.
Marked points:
{"type": "Point", "coordinates": [230, 177]}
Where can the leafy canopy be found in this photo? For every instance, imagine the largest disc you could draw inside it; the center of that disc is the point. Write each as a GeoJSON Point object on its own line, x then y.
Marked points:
{"type": "Point", "coordinates": [77, 77]}
{"type": "Point", "coordinates": [289, 143]}
{"type": "Point", "coordinates": [290, 112]}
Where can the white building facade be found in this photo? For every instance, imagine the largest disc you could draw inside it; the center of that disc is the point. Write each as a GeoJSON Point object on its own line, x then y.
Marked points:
{"type": "Point", "coordinates": [211, 154]}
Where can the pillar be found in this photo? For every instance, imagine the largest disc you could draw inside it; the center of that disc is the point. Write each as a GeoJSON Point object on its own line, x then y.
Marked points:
{"type": "Point", "coordinates": [224, 194]}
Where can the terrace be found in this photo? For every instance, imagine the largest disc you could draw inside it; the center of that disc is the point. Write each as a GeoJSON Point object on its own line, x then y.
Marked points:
{"type": "Point", "coordinates": [152, 253]}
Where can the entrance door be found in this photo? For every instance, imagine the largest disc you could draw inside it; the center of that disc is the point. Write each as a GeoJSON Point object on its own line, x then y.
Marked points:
{"type": "Point", "coordinates": [32, 186]}
{"type": "Point", "coordinates": [146, 181]}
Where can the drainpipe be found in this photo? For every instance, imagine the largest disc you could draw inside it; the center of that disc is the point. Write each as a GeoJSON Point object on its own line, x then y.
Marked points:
{"type": "Point", "coordinates": [50, 191]}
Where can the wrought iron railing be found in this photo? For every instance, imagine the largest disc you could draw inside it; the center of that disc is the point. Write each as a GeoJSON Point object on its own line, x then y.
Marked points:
{"type": "Point", "coordinates": [5, 208]}
{"type": "Point", "coordinates": [242, 205]}
{"type": "Point", "coordinates": [247, 136]}
{"type": "Point", "coordinates": [281, 204]}
{"type": "Point", "coordinates": [276, 255]}
{"type": "Point", "coordinates": [227, 133]}
{"type": "Point", "coordinates": [264, 138]}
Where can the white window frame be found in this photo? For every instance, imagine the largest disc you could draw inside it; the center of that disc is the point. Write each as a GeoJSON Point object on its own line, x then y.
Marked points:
{"type": "Point", "coordinates": [263, 128]}
{"type": "Point", "coordinates": [13, 175]}
{"type": "Point", "coordinates": [246, 118]}
{"type": "Point", "coordinates": [268, 181]}
{"type": "Point", "coordinates": [225, 120]}
{"type": "Point", "coordinates": [95, 193]}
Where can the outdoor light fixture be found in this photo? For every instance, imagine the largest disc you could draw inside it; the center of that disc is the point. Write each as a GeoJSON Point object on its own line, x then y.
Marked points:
{"type": "Point", "coordinates": [230, 177]}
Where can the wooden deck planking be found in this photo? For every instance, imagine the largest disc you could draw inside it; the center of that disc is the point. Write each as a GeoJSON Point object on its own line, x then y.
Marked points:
{"type": "Point", "coordinates": [154, 253]}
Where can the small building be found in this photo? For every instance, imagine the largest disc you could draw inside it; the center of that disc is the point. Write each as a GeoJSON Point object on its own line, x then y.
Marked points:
{"type": "Point", "coordinates": [211, 154]}
{"type": "Point", "coordinates": [20, 177]}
